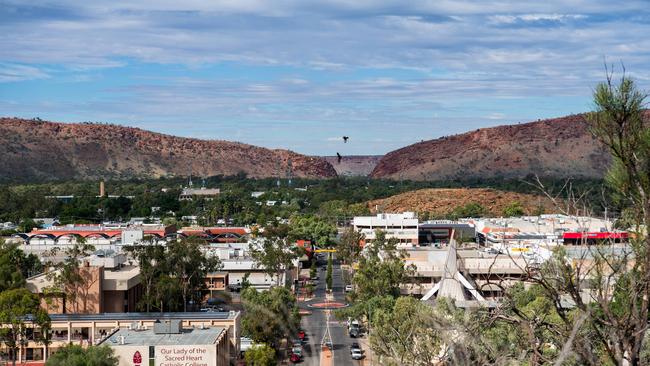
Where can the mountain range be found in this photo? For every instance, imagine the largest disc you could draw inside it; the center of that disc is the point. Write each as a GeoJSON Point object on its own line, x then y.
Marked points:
{"type": "Point", "coordinates": [559, 148]}
{"type": "Point", "coordinates": [35, 150]}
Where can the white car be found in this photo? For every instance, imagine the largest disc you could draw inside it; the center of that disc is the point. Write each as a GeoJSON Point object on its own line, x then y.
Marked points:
{"type": "Point", "coordinates": [356, 354]}
{"type": "Point", "coordinates": [349, 288]}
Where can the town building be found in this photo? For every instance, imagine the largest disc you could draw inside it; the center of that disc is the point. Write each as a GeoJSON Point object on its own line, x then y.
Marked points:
{"type": "Point", "coordinates": [46, 222]}
{"type": "Point", "coordinates": [169, 343]}
{"type": "Point", "coordinates": [238, 263]}
{"type": "Point", "coordinates": [547, 230]}
{"type": "Point", "coordinates": [189, 194]}
{"type": "Point", "coordinates": [111, 285]}
{"type": "Point", "coordinates": [8, 226]}
{"type": "Point", "coordinates": [103, 236]}
{"type": "Point", "coordinates": [482, 273]}
{"type": "Point", "coordinates": [403, 227]}
{"type": "Point", "coordinates": [220, 234]}
{"type": "Point", "coordinates": [436, 232]}
{"type": "Point", "coordinates": [223, 329]}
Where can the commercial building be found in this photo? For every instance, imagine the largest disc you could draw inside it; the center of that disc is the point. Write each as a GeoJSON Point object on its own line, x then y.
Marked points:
{"type": "Point", "coordinates": [403, 227]}
{"type": "Point", "coordinates": [104, 236]}
{"type": "Point", "coordinates": [238, 264]}
{"type": "Point", "coordinates": [482, 273]}
{"type": "Point", "coordinates": [110, 286]}
{"type": "Point", "coordinates": [92, 329]}
{"type": "Point", "coordinates": [547, 230]}
{"type": "Point", "coordinates": [439, 231]}
{"type": "Point", "coordinates": [169, 343]}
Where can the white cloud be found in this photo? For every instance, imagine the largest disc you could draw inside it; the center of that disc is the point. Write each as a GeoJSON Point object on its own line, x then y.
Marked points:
{"type": "Point", "coordinates": [511, 19]}
{"type": "Point", "coordinates": [364, 62]}
{"type": "Point", "coordinates": [14, 72]}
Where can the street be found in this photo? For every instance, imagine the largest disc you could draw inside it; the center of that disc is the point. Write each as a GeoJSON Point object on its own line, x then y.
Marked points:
{"type": "Point", "coordinates": [315, 324]}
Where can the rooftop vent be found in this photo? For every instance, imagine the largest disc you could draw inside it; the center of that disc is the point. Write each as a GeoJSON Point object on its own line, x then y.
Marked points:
{"type": "Point", "coordinates": [168, 326]}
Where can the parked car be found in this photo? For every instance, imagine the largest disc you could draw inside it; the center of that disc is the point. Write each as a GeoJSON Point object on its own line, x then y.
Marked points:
{"type": "Point", "coordinates": [349, 288]}
{"type": "Point", "coordinates": [355, 347]}
{"type": "Point", "coordinates": [356, 355]}
{"type": "Point", "coordinates": [354, 332]}
{"type": "Point", "coordinates": [301, 335]}
{"type": "Point", "coordinates": [352, 323]}
{"type": "Point", "coordinates": [294, 358]}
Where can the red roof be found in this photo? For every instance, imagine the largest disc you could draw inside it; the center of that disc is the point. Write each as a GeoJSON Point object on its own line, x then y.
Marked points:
{"type": "Point", "coordinates": [226, 230]}
{"type": "Point", "coordinates": [596, 235]}
{"type": "Point", "coordinates": [304, 244]}
{"type": "Point", "coordinates": [86, 231]}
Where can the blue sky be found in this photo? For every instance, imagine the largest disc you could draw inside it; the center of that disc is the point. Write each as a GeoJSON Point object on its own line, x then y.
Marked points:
{"type": "Point", "coordinates": [300, 74]}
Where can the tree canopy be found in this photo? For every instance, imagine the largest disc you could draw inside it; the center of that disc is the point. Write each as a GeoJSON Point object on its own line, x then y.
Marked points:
{"type": "Point", "coordinates": [260, 355]}
{"type": "Point", "coordinates": [173, 275]}
{"type": "Point", "coordinates": [19, 311]}
{"type": "Point", "coordinates": [75, 355]}
{"type": "Point", "coordinates": [16, 266]}
{"type": "Point", "coordinates": [269, 316]}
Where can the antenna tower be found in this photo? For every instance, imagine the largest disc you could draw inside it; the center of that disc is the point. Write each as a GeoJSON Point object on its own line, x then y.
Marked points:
{"type": "Point", "coordinates": [289, 172]}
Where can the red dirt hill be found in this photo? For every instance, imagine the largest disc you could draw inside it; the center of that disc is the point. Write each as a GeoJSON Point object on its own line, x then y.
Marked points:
{"type": "Point", "coordinates": [38, 150]}
{"type": "Point", "coordinates": [560, 147]}
{"type": "Point", "coordinates": [441, 201]}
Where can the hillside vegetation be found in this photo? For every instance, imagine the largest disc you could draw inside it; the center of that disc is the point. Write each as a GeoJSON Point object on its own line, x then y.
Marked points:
{"type": "Point", "coordinates": [439, 202]}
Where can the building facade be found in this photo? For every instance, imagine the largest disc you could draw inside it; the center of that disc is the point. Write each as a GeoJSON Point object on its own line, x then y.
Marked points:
{"type": "Point", "coordinates": [403, 227]}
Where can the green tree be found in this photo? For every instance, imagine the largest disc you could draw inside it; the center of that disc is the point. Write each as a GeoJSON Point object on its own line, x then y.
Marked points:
{"type": "Point", "coordinates": [15, 266]}
{"type": "Point", "coordinates": [27, 225]}
{"type": "Point", "coordinates": [75, 355]}
{"type": "Point", "coordinates": [72, 280]}
{"type": "Point", "coordinates": [406, 334]}
{"type": "Point", "coordinates": [381, 269]}
{"type": "Point", "coordinates": [190, 265]}
{"type": "Point", "coordinates": [260, 355]}
{"type": "Point", "coordinates": [313, 272]}
{"type": "Point", "coordinates": [269, 316]}
{"type": "Point", "coordinates": [328, 277]}
{"type": "Point", "coordinates": [471, 209]}
{"type": "Point", "coordinates": [618, 123]}
{"type": "Point", "coordinates": [273, 255]}
{"type": "Point", "coordinates": [367, 308]}
{"type": "Point", "coordinates": [167, 294]}
{"type": "Point", "coordinates": [513, 209]}
{"type": "Point", "coordinates": [20, 311]}
{"type": "Point", "coordinates": [149, 256]}
{"type": "Point", "coordinates": [312, 228]}
{"type": "Point", "coordinates": [349, 245]}
{"type": "Point", "coordinates": [173, 272]}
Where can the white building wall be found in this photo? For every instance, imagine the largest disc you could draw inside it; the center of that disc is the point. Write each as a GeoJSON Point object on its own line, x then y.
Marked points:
{"type": "Point", "coordinates": [130, 237]}
{"type": "Point", "coordinates": [403, 227]}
